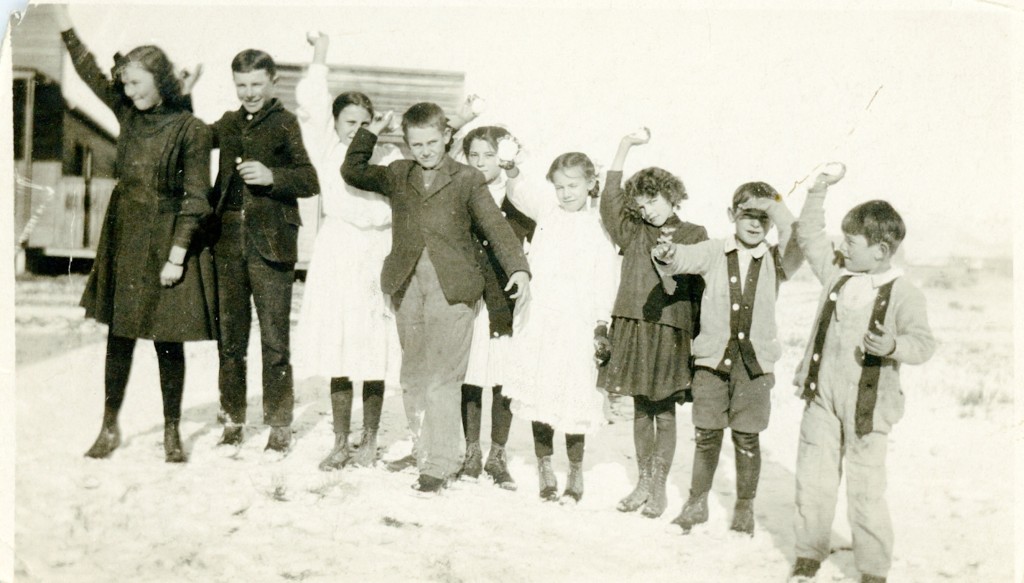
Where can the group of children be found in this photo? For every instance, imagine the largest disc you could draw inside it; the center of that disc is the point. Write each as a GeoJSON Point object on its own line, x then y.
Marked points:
{"type": "Point", "coordinates": [453, 276]}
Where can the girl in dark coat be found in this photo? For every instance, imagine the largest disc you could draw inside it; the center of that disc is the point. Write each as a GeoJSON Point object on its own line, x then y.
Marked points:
{"type": "Point", "coordinates": [152, 277]}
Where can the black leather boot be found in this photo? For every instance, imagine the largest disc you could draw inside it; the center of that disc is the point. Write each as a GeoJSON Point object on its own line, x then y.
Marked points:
{"type": "Point", "coordinates": [341, 410]}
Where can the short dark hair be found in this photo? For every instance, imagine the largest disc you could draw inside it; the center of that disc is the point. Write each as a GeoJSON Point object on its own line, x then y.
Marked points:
{"type": "Point", "coordinates": [348, 98]}
{"type": "Point", "coordinates": [489, 134]}
{"type": "Point", "coordinates": [424, 114]}
{"type": "Point", "coordinates": [751, 190]}
{"type": "Point", "coordinates": [878, 222]}
{"type": "Point", "coordinates": [654, 181]}
{"type": "Point", "coordinates": [254, 60]}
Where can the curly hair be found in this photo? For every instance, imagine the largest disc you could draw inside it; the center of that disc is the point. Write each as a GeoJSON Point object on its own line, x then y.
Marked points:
{"type": "Point", "coordinates": [154, 61]}
{"type": "Point", "coordinates": [652, 182]}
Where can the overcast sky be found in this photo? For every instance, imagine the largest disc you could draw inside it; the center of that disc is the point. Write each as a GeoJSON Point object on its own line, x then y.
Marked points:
{"type": "Point", "coordinates": [730, 96]}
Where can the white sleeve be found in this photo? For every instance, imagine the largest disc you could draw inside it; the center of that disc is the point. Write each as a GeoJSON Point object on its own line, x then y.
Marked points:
{"type": "Point", "coordinates": [531, 198]}
{"type": "Point", "coordinates": [314, 110]}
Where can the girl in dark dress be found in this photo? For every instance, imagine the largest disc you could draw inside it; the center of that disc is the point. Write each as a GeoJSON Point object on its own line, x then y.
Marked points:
{"type": "Point", "coordinates": [654, 319]}
{"type": "Point", "coordinates": [152, 277]}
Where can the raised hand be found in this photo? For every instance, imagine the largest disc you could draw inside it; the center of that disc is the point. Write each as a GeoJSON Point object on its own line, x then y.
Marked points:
{"type": "Point", "coordinates": [638, 137]}
{"type": "Point", "coordinates": [380, 122]}
{"type": "Point", "coordinates": [189, 78]}
{"type": "Point", "coordinates": [508, 152]}
{"type": "Point", "coordinates": [827, 174]}
{"type": "Point", "coordinates": [319, 41]}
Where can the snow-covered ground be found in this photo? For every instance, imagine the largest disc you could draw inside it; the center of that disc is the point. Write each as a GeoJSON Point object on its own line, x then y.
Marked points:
{"type": "Point", "coordinates": [241, 515]}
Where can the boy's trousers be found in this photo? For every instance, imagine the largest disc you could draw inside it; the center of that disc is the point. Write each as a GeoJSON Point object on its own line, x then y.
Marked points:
{"type": "Point", "coordinates": [435, 337]}
{"type": "Point", "coordinates": [243, 273]}
{"type": "Point", "coordinates": [827, 437]}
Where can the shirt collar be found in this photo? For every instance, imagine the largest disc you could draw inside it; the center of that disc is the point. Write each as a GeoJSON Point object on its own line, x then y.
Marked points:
{"type": "Point", "coordinates": [877, 279]}
{"type": "Point", "coordinates": [759, 251]}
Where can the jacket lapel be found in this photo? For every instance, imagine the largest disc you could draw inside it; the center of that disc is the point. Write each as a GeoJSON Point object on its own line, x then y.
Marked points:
{"type": "Point", "coordinates": [444, 177]}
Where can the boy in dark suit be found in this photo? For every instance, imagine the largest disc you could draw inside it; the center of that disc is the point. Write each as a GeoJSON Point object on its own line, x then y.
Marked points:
{"type": "Point", "coordinates": [264, 169]}
{"type": "Point", "coordinates": [433, 273]}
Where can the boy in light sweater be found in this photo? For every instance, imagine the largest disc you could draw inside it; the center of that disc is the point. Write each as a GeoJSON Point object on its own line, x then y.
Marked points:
{"type": "Point", "coordinates": [870, 320]}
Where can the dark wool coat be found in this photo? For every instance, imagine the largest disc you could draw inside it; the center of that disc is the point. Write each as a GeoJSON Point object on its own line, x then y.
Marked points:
{"type": "Point", "coordinates": [271, 213]}
{"type": "Point", "coordinates": [641, 294]}
{"type": "Point", "coordinates": [440, 218]}
{"type": "Point", "coordinates": [163, 171]}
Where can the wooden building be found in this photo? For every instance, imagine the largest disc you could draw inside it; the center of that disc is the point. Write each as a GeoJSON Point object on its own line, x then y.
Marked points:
{"type": "Point", "coordinates": [64, 160]}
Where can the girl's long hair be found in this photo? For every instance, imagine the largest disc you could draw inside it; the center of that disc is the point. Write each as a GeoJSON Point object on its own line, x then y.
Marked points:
{"type": "Point", "coordinates": [152, 59]}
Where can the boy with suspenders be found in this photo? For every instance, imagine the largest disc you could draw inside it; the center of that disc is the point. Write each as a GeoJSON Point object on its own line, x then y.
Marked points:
{"type": "Point", "coordinates": [870, 320]}
{"type": "Point", "coordinates": [737, 347]}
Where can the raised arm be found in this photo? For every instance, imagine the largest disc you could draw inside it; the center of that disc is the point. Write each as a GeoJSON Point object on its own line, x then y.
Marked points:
{"type": "Point", "coordinates": [357, 170]}
{"type": "Point", "coordinates": [314, 98]}
{"type": "Point", "coordinates": [810, 227]}
{"type": "Point", "coordinates": [364, 209]}
{"type": "Point", "coordinates": [621, 225]}
{"type": "Point", "coordinates": [785, 222]}
{"type": "Point", "coordinates": [85, 64]}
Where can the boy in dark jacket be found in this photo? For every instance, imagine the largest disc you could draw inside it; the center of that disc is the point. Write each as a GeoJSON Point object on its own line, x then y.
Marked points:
{"type": "Point", "coordinates": [264, 169]}
{"type": "Point", "coordinates": [433, 274]}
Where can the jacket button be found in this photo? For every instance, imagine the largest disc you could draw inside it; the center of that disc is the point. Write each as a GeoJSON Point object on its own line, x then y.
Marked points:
{"type": "Point", "coordinates": [732, 279]}
{"type": "Point", "coordinates": [815, 357]}
{"type": "Point", "coordinates": [728, 362]}
{"type": "Point", "coordinates": [485, 243]}
{"type": "Point", "coordinates": [833, 296]}
{"type": "Point", "coordinates": [741, 336]}
{"type": "Point", "coordinates": [735, 307]}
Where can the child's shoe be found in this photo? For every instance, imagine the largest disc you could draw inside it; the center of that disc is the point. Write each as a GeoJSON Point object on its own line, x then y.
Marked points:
{"type": "Point", "coordinates": [106, 442]}
{"type": "Point", "coordinates": [743, 516]}
{"type": "Point", "coordinates": [865, 578]}
{"type": "Point", "coordinates": [694, 512]}
{"type": "Point", "coordinates": [339, 456]}
{"type": "Point", "coordinates": [280, 439]}
{"type": "Point", "coordinates": [638, 496]}
{"type": "Point", "coordinates": [657, 501]}
{"type": "Point", "coordinates": [428, 484]}
{"type": "Point", "coordinates": [574, 483]}
{"type": "Point", "coordinates": [497, 468]}
{"type": "Point", "coordinates": [174, 453]}
{"type": "Point", "coordinates": [472, 465]}
{"type": "Point", "coordinates": [548, 481]}
{"type": "Point", "coordinates": [232, 434]}
{"type": "Point", "coordinates": [804, 570]}
{"type": "Point", "coordinates": [366, 455]}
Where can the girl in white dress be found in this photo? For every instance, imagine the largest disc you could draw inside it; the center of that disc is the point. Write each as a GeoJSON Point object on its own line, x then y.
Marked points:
{"type": "Point", "coordinates": [346, 329]}
{"type": "Point", "coordinates": [493, 151]}
{"type": "Point", "coordinates": [563, 332]}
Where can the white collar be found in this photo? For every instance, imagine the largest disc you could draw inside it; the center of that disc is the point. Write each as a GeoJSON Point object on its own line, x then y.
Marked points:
{"type": "Point", "coordinates": [756, 252]}
{"type": "Point", "coordinates": [877, 279]}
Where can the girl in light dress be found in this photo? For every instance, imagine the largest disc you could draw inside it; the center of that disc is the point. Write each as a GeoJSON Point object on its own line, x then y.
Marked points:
{"type": "Point", "coordinates": [346, 329]}
{"type": "Point", "coordinates": [493, 151]}
{"type": "Point", "coordinates": [563, 331]}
